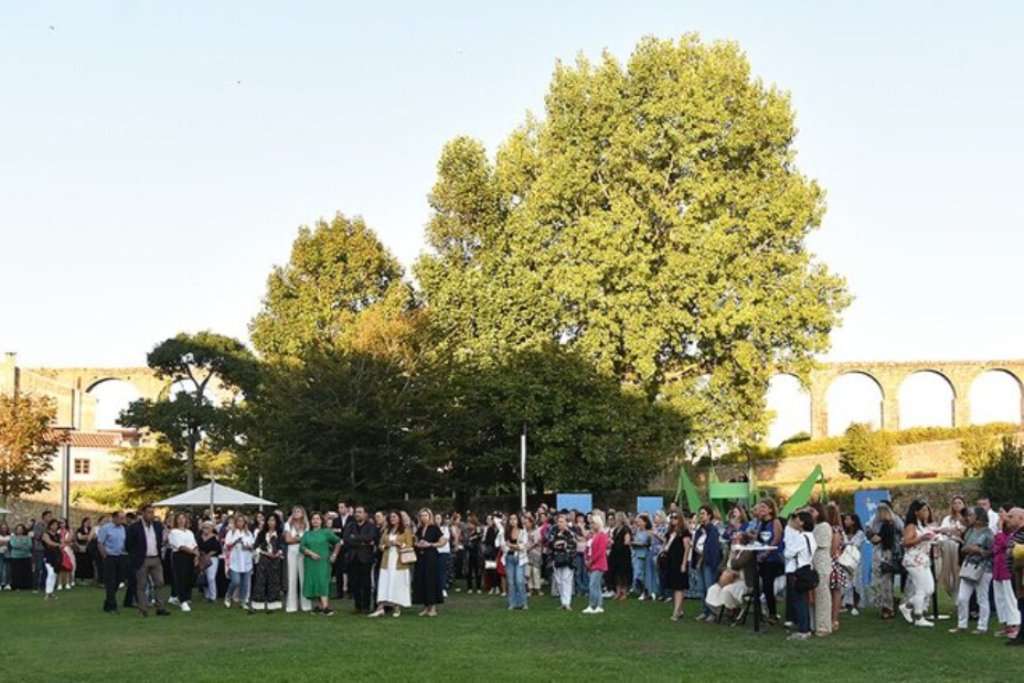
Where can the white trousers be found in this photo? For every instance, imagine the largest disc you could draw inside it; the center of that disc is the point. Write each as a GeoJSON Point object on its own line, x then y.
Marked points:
{"type": "Point", "coordinates": [920, 590]}
{"type": "Point", "coordinates": [51, 578]}
{"type": "Point", "coordinates": [730, 597]}
{"type": "Point", "coordinates": [1006, 603]}
{"type": "Point", "coordinates": [563, 585]}
{"type": "Point", "coordinates": [963, 601]}
{"type": "Point", "coordinates": [210, 590]}
{"type": "Point", "coordinates": [296, 599]}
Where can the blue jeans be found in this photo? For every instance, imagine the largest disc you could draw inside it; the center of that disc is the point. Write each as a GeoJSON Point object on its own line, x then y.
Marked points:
{"type": "Point", "coordinates": [596, 589]}
{"type": "Point", "coordinates": [640, 578]}
{"type": "Point", "coordinates": [803, 615]}
{"type": "Point", "coordinates": [653, 575]}
{"type": "Point", "coordinates": [239, 582]}
{"type": "Point", "coordinates": [515, 574]}
{"type": "Point", "coordinates": [38, 570]}
{"type": "Point", "coordinates": [708, 579]}
{"type": "Point", "coordinates": [581, 575]}
{"type": "Point", "coordinates": [697, 589]}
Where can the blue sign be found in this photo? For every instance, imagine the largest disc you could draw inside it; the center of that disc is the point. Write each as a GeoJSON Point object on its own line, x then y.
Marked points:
{"type": "Point", "coordinates": [581, 502]}
{"type": "Point", "coordinates": [865, 502]}
{"type": "Point", "coordinates": [649, 504]}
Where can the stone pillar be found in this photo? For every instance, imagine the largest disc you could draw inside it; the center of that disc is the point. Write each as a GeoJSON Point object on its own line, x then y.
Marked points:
{"type": "Point", "coordinates": [961, 404]}
{"type": "Point", "coordinates": [819, 411]}
{"type": "Point", "coordinates": [890, 419]}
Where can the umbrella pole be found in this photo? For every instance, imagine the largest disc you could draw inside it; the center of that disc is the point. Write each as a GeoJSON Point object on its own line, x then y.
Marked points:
{"type": "Point", "coordinates": [213, 482]}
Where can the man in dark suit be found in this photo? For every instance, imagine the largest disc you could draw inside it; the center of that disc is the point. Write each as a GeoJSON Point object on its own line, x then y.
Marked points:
{"type": "Point", "coordinates": [360, 541]}
{"type": "Point", "coordinates": [338, 526]}
{"type": "Point", "coordinates": [144, 542]}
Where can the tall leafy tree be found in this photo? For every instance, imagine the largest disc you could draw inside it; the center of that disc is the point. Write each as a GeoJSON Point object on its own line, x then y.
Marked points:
{"type": "Point", "coordinates": [27, 443]}
{"type": "Point", "coordinates": [337, 270]}
{"type": "Point", "coordinates": [654, 221]}
{"type": "Point", "coordinates": [196, 364]}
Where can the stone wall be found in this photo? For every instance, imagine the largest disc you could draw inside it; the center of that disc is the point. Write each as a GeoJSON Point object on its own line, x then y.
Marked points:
{"type": "Point", "coordinates": [938, 457]}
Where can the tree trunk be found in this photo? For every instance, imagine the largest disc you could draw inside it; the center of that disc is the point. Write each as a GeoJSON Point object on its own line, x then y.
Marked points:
{"type": "Point", "coordinates": [190, 465]}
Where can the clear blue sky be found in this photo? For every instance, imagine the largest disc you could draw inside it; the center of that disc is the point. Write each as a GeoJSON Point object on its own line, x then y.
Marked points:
{"type": "Point", "coordinates": [156, 158]}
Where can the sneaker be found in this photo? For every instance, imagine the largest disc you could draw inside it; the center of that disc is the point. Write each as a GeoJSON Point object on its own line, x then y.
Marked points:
{"type": "Point", "coordinates": [855, 612]}
{"type": "Point", "coordinates": [789, 624]}
{"type": "Point", "coordinates": [173, 601]}
{"type": "Point", "coordinates": [599, 610]}
{"type": "Point", "coordinates": [799, 636]}
{"type": "Point", "coordinates": [185, 607]}
{"type": "Point", "coordinates": [979, 632]}
{"type": "Point", "coordinates": [923, 622]}
{"type": "Point", "coordinates": [700, 617]}
{"type": "Point", "coordinates": [328, 612]}
{"type": "Point", "coordinates": [958, 630]}
{"type": "Point", "coordinates": [587, 610]}
{"type": "Point", "coordinates": [907, 613]}
{"type": "Point", "coordinates": [641, 598]}
{"type": "Point", "coordinates": [227, 602]}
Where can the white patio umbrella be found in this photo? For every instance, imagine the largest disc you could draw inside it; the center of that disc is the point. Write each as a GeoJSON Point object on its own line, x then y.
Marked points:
{"type": "Point", "coordinates": [212, 494]}
{"type": "Point", "coordinates": [4, 511]}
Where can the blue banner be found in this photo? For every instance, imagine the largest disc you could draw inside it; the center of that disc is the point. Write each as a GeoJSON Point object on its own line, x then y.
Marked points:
{"type": "Point", "coordinates": [864, 503]}
{"type": "Point", "coordinates": [580, 502]}
{"type": "Point", "coordinates": [649, 504]}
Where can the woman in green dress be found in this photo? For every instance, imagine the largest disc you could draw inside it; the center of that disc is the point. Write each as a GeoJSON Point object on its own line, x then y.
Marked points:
{"type": "Point", "coordinates": [320, 546]}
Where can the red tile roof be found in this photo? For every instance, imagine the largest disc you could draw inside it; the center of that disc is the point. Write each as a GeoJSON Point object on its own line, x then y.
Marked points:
{"type": "Point", "coordinates": [105, 439]}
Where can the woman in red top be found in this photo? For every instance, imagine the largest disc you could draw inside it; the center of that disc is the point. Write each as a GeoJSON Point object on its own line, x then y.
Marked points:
{"type": "Point", "coordinates": [597, 563]}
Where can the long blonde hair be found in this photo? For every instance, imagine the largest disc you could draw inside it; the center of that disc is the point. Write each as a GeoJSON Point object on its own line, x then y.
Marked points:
{"type": "Point", "coordinates": [597, 521]}
{"type": "Point", "coordinates": [305, 518]}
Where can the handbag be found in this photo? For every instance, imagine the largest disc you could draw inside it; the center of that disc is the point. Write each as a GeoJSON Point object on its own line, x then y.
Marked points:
{"type": "Point", "coordinates": [407, 556]}
{"type": "Point", "coordinates": [971, 571]}
{"type": "Point", "coordinates": [850, 559]}
{"type": "Point", "coordinates": [806, 578]}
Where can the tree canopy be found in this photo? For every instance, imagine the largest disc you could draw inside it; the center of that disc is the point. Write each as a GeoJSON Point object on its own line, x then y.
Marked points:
{"type": "Point", "coordinates": [27, 443]}
{"type": "Point", "coordinates": [190, 417]}
{"type": "Point", "coordinates": [654, 221]}
{"type": "Point", "coordinates": [336, 271]}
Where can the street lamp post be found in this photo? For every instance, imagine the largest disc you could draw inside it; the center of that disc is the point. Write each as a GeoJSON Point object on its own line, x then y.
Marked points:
{"type": "Point", "coordinates": [65, 471]}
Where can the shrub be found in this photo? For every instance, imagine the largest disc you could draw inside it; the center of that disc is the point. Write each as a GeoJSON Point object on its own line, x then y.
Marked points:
{"type": "Point", "coordinates": [1002, 478]}
{"type": "Point", "coordinates": [977, 448]}
{"type": "Point", "coordinates": [866, 454]}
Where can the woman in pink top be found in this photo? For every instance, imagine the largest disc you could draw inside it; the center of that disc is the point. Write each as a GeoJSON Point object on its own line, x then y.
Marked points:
{"type": "Point", "coordinates": [597, 563]}
{"type": "Point", "coordinates": [1002, 582]}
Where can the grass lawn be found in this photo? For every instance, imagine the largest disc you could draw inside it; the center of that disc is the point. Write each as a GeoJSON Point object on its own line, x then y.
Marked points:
{"type": "Point", "coordinates": [474, 638]}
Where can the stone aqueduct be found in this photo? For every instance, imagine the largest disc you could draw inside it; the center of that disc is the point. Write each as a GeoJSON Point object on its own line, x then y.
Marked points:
{"type": "Point", "coordinates": [889, 376]}
{"type": "Point", "coordinates": [71, 386]}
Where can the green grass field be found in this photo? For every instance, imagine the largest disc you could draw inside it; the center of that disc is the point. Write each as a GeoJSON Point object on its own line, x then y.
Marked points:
{"type": "Point", "coordinates": [474, 638]}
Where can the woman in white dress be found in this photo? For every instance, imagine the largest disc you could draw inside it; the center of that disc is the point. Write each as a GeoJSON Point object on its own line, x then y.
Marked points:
{"type": "Point", "coordinates": [393, 584]}
{"type": "Point", "coordinates": [294, 528]}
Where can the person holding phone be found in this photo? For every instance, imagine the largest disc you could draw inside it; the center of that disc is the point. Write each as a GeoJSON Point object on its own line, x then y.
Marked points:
{"type": "Point", "coordinates": [238, 546]}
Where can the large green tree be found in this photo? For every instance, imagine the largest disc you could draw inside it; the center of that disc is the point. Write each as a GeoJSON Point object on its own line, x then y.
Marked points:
{"type": "Point", "coordinates": [654, 221]}
{"type": "Point", "coordinates": [337, 270]}
{"type": "Point", "coordinates": [27, 443]}
{"type": "Point", "coordinates": [197, 368]}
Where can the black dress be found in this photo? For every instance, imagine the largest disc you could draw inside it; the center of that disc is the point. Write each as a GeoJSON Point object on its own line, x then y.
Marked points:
{"type": "Point", "coordinates": [426, 589]}
{"type": "Point", "coordinates": [83, 562]}
{"type": "Point", "coordinates": [678, 580]}
{"type": "Point", "coordinates": [619, 559]}
{"type": "Point", "coordinates": [267, 574]}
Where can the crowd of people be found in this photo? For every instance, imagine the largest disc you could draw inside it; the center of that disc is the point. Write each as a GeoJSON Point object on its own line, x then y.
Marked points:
{"type": "Point", "coordinates": [388, 561]}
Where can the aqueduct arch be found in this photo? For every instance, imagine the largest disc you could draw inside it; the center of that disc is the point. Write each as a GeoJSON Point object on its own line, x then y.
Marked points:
{"type": "Point", "coordinates": [891, 375]}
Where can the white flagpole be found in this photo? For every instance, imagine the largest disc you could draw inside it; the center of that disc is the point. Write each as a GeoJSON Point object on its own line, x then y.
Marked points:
{"type": "Point", "coordinates": [522, 469]}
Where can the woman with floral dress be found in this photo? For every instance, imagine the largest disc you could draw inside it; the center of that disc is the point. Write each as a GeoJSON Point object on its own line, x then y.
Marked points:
{"type": "Point", "coordinates": [884, 561]}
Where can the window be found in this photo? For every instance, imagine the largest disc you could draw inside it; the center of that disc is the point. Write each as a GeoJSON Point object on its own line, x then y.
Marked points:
{"type": "Point", "coordinates": [82, 466]}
